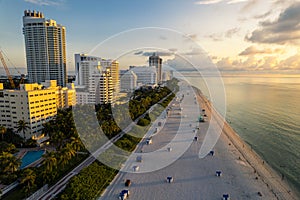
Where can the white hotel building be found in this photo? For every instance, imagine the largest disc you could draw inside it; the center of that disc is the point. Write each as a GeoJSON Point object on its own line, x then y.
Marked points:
{"type": "Point", "coordinates": [91, 72]}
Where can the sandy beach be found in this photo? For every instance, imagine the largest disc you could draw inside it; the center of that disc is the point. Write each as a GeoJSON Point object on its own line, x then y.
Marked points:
{"type": "Point", "coordinates": [244, 174]}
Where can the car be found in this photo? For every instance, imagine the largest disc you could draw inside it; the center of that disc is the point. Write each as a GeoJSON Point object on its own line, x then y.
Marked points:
{"type": "Point", "coordinates": [127, 182]}
{"type": "Point", "coordinates": [139, 158]}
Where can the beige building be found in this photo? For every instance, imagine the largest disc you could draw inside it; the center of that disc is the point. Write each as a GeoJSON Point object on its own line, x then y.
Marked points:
{"type": "Point", "coordinates": [65, 96]}
{"type": "Point", "coordinates": [105, 92]}
{"type": "Point", "coordinates": [34, 104]}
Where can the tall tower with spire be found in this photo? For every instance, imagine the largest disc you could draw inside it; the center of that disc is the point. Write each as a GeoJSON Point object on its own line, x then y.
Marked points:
{"type": "Point", "coordinates": [156, 61]}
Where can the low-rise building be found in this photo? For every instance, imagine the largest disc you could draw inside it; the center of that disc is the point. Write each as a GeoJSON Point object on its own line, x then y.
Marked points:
{"type": "Point", "coordinates": [35, 104]}
{"type": "Point", "coordinates": [145, 75]}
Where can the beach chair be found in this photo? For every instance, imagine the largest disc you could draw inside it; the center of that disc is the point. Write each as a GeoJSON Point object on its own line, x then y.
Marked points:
{"type": "Point", "coordinates": [218, 173]}
{"type": "Point", "coordinates": [226, 197]}
{"type": "Point", "coordinates": [136, 168]}
{"type": "Point", "coordinates": [170, 179]}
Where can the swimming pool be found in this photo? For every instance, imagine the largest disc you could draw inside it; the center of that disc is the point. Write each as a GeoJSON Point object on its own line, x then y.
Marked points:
{"type": "Point", "coordinates": [30, 157]}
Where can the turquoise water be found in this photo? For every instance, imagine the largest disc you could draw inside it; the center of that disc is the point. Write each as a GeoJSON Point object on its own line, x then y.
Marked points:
{"type": "Point", "coordinates": [265, 111]}
{"type": "Point", "coordinates": [30, 157]}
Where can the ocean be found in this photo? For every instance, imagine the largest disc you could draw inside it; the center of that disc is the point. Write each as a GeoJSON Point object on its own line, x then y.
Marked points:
{"type": "Point", "coordinates": [264, 109]}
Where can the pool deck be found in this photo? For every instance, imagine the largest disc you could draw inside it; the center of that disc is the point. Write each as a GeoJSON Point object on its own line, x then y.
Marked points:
{"type": "Point", "coordinates": [23, 152]}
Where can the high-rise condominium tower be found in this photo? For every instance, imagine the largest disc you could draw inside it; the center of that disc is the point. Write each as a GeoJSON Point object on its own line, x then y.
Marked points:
{"type": "Point", "coordinates": [95, 79]}
{"type": "Point", "coordinates": [156, 61]}
{"type": "Point", "coordinates": [45, 43]}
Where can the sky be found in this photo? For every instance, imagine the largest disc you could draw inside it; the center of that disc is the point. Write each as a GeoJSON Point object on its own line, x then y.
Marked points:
{"type": "Point", "coordinates": [237, 35]}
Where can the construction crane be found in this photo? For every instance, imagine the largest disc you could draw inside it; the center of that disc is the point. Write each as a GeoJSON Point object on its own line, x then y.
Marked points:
{"type": "Point", "coordinates": [12, 84]}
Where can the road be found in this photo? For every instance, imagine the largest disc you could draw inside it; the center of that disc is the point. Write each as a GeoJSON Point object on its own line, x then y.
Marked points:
{"type": "Point", "coordinates": [61, 184]}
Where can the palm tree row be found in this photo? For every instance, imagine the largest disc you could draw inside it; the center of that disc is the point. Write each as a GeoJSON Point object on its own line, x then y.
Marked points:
{"type": "Point", "coordinates": [55, 159]}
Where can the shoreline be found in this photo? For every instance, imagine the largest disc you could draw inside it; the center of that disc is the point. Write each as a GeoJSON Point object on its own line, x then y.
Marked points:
{"type": "Point", "coordinates": [262, 170]}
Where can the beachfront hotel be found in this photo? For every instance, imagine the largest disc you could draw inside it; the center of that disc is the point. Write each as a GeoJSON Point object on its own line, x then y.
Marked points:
{"type": "Point", "coordinates": [97, 79]}
{"type": "Point", "coordinates": [35, 104]}
{"type": "Point", "coordinates": [45, 44]}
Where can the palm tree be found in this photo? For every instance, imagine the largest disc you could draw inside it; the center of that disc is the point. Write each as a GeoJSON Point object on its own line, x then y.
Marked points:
{"type": "Point", "coordinates": [2, 131]}
{"type": "Point", "coordinates": [66, 154]}
{"type": "Point", "coordinates": [28, 180]}
{"type": "Point", "coordinates": [76, 143]}
{"type": "Point", "coordinates": [22, 126]}
{"type": "Point", "coordinates": [9, 163]}
{"type": "Point", "coordinates": [50, 161]}
{"type": "Point", "coordinates": [57, 139]}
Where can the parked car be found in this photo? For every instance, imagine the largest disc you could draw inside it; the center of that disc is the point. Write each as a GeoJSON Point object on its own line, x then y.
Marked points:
{"type": "Point", "coordinates": [139, 159]}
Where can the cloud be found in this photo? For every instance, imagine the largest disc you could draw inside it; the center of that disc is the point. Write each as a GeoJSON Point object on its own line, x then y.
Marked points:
{"type": "Point", "coordinates": [232, 32]}
{"type": "Point", "coordinates": [194, 51]}
{"type": "Point", "coordinates": [209, 2]}
{"type": "Point", "coordinates": [190, 63]}
{"type": "Point", "coordinates": [250, 64]}
{"type": "Point", "coordinates": [291, 63]}
{"type": "Point", "coordinates": [159, 53]}
{"type": "Point", "coordinates": [250, 5]}
{"type": "Point", "coordinates": [217, 37]}
{"type": "Point", "coordinates": [236, 1]}
{"type": "Point", "coordinates": [266, 63]}
{"type": "Point", "coordinates": [284, 30]}
{"type": "Point", "coordinates": [138, 53]}
{"type": "Point", "coordinates": [264, 15]}
{"type": "Point", "coordinates": [173, 49]}
{"type": "Point", "coordinates": [162, 37]}
{"type": "Point", "coordinates": [45, 2]}
{"type": "Point", "coordinates": [192, 36]}
{"type": "Point", "coordinates": [253, 51]}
